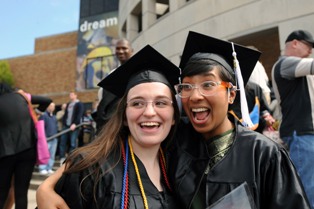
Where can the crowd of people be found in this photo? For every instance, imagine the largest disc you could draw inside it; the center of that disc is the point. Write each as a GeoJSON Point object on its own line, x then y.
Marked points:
{"type": "Point", "coordinates": [146, 156]}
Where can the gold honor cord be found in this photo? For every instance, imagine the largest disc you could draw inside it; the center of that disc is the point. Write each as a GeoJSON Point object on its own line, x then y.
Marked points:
{"type": "Point", "coordinates": [162, 156]}
{"type": "Point", "coordinates": [138, 174]}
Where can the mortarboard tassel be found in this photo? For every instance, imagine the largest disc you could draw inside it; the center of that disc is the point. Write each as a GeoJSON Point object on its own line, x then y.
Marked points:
{"type": "Point", "coordinates": [243, 102]}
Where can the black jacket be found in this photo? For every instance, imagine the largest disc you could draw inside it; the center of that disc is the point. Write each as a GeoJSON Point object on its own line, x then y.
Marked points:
{"type": "Point", "coordinates": [108, 192]}
{"type": "Point", "coordinates": [78, 111]}
{"type": "Point", "coordinates": [17, 130]}
{"type": "Point", "coordinates": [252, 158]}
{"type": "Point", "coordinates": [105, 109]}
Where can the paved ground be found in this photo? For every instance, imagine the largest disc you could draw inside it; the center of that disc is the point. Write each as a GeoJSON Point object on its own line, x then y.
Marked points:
{"type": "Point", "coordinates": [37, 179]}
{"type": "Point", "coordinates": [31, 199]}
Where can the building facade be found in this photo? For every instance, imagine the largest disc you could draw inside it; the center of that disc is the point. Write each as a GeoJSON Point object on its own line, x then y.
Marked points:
{"type": "Point", "coordinates": [264, 24]}
{"type": "Point", "coordinates": [164, 24]}
{"type": "Point", "coordinates": [51, 70]}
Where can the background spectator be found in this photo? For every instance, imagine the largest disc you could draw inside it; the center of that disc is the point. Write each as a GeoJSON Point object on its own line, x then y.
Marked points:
{"type": "Point", "coordinates": [293, 84]}
{"type": "Point", "coordinates": [51, 128]}
{"type": "Point", "coordinates": [260, 77]}
{"type": "Point", "coordinates": [72, 117]}
{"type": "Point", "coordinates": [59, 116]}
{"type": "Point", "coordinates": [106, 106]}
{"type": "Point", "coordinates": [87, 131]}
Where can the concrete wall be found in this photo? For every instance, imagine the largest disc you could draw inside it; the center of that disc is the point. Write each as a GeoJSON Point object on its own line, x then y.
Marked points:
{"type": "Point", "coordinates": [224, 19]}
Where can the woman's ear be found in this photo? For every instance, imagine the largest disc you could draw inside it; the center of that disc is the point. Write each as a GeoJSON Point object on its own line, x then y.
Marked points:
{"type": "Point", "coordinates": [232, 96]}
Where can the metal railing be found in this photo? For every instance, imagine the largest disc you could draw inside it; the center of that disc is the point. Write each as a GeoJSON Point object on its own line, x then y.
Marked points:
{"type": "Point", "coordinates": [66, 131]}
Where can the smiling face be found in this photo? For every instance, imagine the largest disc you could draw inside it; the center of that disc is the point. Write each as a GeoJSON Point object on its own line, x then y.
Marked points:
{"type": "Point", "coordinates": [149, 125]}
{"type": "Point", "coordinates": [123, 51]}
{"type": "Point", "coordinates": [208, 114]}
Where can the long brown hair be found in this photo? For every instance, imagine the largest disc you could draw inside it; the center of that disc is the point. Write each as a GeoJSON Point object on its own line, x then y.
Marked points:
{"type": "Point", "coordinates": [109, 139]}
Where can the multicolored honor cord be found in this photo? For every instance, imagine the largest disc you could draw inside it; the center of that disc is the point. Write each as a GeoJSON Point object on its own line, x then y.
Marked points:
{"type": "Point", "coordinates": [125, 181]}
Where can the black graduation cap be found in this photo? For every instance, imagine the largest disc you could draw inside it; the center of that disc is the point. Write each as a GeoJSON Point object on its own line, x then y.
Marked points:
{"type": "Point", "coordinates": [238, 60]}
{"type": "Point", "coordinates": [147, 65]}
{"type": "Point", "coordinates": [197, 42]}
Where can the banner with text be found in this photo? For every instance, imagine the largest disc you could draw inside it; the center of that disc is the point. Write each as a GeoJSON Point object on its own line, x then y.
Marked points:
{"type": "Point", "coordinates": [95, 50]}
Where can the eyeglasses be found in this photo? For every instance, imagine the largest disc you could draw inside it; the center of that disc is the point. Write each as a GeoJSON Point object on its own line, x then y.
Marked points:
{"type": "Point", "coordinates": [306, 43]}
{"type": "Point", "coordinates": [207, 88]}
{"type": "Point", "coordinates": [141, 104]}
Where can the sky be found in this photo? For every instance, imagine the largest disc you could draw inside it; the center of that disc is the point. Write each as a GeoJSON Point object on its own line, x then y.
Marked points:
{"type": "Point", "coordinates": [22, 21]}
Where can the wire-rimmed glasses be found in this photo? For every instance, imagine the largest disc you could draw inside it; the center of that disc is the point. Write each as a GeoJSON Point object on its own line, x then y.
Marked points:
{"type": "Point", "coordinates": [141, 104]}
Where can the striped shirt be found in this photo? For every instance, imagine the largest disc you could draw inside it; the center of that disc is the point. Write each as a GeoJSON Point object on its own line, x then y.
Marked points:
{"type": "Point", "coordinates": [293, 83]}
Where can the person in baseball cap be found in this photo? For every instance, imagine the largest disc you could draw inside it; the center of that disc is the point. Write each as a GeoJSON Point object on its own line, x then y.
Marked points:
{"type": "Point", "coordinates": [293, 82]}
{"type": "Point", "coordinates": [301, 35]}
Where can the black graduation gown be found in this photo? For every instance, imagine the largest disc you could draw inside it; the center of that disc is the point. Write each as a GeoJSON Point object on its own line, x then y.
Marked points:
{"type": "Point", "coordinates": [108, 192]}
{"type": "Point", "coordinates": [252, 158]}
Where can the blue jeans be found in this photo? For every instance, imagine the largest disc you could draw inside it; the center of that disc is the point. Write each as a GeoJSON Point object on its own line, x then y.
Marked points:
{"type": "Point", "coordinates": [64, 139]}
{"type": "Point", "coordinates": [301, 150]}
{"type": "Point", "coordinates": [52, 146]}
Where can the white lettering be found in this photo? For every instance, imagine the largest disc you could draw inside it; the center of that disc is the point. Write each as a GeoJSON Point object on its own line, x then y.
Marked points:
{"type": "Point", "coordinates": [102, 23]}
{"type": "Point", "coordinates": [95, 25]}
{"type": "Point", "coordinates": [98, 24]}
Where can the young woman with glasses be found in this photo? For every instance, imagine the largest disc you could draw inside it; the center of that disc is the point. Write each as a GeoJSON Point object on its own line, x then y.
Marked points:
{"type": "Point", "coordinates": [214, 153]}
{"type": "Point", "coordinates": [125, 167]}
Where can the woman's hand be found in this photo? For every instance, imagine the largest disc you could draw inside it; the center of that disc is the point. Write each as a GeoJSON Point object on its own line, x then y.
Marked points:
{"type": "Point", "coordinates": [46, 197]}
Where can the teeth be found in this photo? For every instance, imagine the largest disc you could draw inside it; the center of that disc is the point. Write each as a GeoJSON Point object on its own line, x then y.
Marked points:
{"type": "Point", "coordinates": [149, 124]}
{"type": "Point", "coordinates": [202, 109]}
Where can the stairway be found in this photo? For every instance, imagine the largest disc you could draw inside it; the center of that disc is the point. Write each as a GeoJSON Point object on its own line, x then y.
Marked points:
{"type": "Point", "coordinates": [38, 178]}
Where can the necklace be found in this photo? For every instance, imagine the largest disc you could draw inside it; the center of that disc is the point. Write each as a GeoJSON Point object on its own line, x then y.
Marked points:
{"type": "Point", "coordinates": [125, 182]}
{"type": "Point", "coordinates": [125, 186]}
